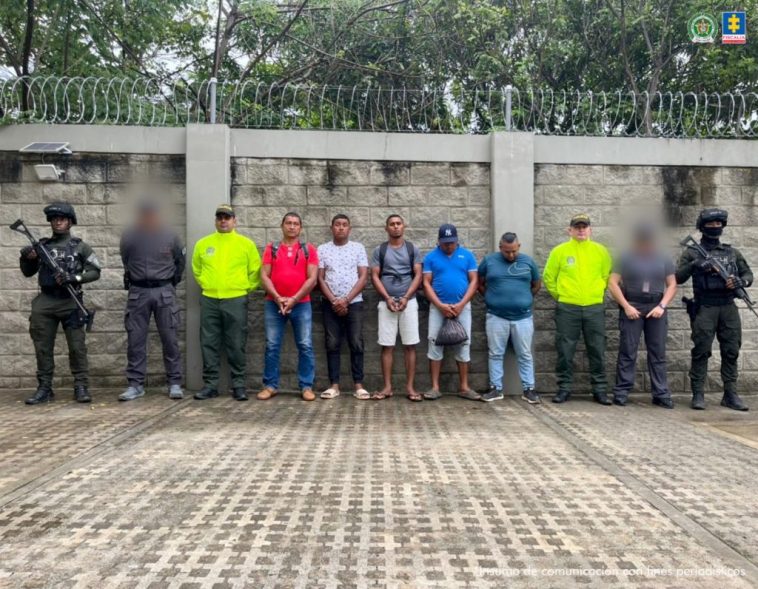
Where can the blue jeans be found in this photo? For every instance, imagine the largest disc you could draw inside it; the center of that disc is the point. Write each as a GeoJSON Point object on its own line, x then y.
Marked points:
{"type": "Point", "coordinates": [520, 333]}
{"type": "Point", "coordinates": [300, 316]}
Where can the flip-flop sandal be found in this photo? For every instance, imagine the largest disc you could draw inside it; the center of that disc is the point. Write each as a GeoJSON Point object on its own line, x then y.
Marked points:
{"type": "Point", "coordinates": [378, 396]}
{"type": "Point", "coordinates": [330, 393]}
{"type": "Point", "coordinates": [362, 394]}
{"type": "Point", "coordinates": [415, 397]}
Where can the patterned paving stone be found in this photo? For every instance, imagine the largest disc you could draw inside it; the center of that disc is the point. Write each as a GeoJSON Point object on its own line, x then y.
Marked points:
{"type": "Point", "coordinates": [709, 478]}
{"type": "Point", "coordinates": [34, 440]}
{"type": "Point", "coordinates": [350, 494]}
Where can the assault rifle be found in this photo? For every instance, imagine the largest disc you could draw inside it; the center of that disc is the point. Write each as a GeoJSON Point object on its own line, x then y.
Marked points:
{"type": "Point", "coordinates": [740, 291]}
{"type": "Point", "coordinates": [85, 317]}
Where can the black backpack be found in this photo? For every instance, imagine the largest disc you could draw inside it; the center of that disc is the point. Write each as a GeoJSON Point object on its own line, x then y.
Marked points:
{"type": "Point", "coordinates": [303, 248]}
{"type": "Point", "coordinates": [411, 259]}
{"type": "Point", "coordinates": [383, 254]}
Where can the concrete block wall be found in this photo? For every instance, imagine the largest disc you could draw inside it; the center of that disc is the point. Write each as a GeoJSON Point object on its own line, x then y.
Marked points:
{"type": "Point", "coordinates": [613, 196]}
{"type": "Point", "coordinates": [102, 188]}
{"type": "Point", "coordinates": [426, 194]}
{"type": "Point", "coordinates": [366, 176]}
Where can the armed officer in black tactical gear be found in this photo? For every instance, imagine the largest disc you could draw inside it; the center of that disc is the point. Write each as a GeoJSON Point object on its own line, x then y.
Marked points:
{"type": "Point", "coordinates": [54, 304]}
{"type": "Point", "coordinates": [153, 258]}
{"type": "Point", "coordinates": [715, 313]}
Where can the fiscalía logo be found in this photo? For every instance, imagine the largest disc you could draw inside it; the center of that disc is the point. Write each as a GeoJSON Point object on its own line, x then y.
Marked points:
{"type": "Point", "coordinates": [733, 28]}
{"type": "Point", "coordinates": [702, 28]}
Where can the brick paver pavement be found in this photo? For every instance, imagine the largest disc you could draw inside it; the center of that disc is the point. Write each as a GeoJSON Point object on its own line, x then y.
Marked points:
{"type": "Point", "coordinates": [372, 494]}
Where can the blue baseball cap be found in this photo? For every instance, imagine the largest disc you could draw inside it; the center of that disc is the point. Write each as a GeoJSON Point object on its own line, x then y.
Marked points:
{"type": "Point", "coordinates": [447, 234]}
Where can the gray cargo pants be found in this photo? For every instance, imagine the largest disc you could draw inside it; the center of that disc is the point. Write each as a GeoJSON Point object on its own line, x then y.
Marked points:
{"type": "Point", "coordinates": [142, 303]}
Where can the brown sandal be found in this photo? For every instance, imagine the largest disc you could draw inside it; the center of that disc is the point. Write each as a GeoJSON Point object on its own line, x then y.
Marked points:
{"type": "Point", "coordinates": [415, 397]}
{"type": "Point", "coordinates": [379, 395]}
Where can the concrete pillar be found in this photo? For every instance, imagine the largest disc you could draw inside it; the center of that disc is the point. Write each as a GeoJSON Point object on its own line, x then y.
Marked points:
{"type": "Point", "coordinates": [512, 198]}
{"type": "Point", "coordinates": [208, 184]}
{"type": "Point", "coordinates": [512, 185]}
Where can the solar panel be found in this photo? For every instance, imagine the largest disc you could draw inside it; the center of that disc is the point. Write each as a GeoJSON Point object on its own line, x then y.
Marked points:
{"type": "Point", "coordinates": [43, 147]}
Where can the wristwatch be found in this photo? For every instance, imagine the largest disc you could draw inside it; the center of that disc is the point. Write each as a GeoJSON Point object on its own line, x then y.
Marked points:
{"type": "Point", "coordinates": [662, 306]}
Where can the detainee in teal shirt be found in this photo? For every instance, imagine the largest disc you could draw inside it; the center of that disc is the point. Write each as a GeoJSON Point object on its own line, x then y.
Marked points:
{"type": "Point", "coordinates": [509, 280]}
{"type": "Point", "coordinates": [509, 285]}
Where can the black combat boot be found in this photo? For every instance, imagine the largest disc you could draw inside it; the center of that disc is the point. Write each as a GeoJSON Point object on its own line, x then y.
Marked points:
{"type": "Point", "coordinates": [206, 393]}
{"type": "Point", "coordinates": [698, 400]}
{"type": "Point", "coordinates": [239, 393]}
{"type": "Point", "coordinates": [81, 394]}
{"type": "Point", "coordinates": [733, 401]}
{"type": "Point", "coordinates": [664, 402]}
{"type": "Point", "coordinates": [43, 394]}
{"type": "Point", "coordinates": [562, 396]}
{"type": "Point", "coordinates": [601, 397]}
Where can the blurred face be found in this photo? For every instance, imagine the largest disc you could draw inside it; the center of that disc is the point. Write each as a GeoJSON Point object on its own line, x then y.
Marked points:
{"type": "Point", "coordinates": [60, 224]}
{"type": "Point", "coordinates": [341, 230]}
{"type": "Point", "coordinates": [225, 223]}
{"type": "Point", "coordinates": [580, 231]}
{"type": "Point", "coordinates": [291, 227]}
{"type": "Point", "coordinates": [448, 248]}
{"type": "Point", "coordinates": [395, 227]}
{"type": "Point", "coordinates": [149, 219]}
{"type": "Point", "coordinates": [510, 250]}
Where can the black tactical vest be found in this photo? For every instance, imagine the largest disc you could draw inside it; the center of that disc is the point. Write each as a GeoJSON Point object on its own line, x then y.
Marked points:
{"type": "Point", "coordinates": [66, 257]}
{"type": "Point", "coordinates": [709, 287]}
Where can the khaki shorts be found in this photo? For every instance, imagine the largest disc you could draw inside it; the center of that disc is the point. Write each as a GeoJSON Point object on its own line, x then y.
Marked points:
{"type": "Point", "coordinates": [405, 322]}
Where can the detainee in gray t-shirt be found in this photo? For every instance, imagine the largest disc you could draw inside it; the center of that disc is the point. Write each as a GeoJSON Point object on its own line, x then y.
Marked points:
{"type": "Point", "coordinates": [396, 273]}
{"type": "Point", "coordinates": [397, 311]}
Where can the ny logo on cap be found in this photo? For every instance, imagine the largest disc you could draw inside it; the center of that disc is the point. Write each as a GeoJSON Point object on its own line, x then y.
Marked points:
{"type": "Point", "coordinates": [448, 233]}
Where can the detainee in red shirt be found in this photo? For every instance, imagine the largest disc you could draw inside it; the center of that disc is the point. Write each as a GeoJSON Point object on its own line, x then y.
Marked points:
{"type": "Point", "coordinates": [289, 273]}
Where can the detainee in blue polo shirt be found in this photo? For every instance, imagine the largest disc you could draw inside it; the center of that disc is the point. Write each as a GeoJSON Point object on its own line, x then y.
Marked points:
{"type": "Point", "coordinates": [450, 281]}
{"type": "Point", "coordinates": [509, 280]}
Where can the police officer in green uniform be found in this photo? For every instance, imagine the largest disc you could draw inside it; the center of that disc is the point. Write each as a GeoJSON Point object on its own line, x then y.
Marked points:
{"type": "Point", "coordinates": [54, 305]}
{"type": "Point", "coordinates": [715, 312]}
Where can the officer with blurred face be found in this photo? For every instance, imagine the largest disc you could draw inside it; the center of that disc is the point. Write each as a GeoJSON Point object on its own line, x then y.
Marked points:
{"type": "Point", "coordinates": [642, 283]}
{"type": "Point", "coordinates": [153, 258]}
{"type": "Point", "coordinates": [54, 305]}
{"type": "Point", "coordinates": [715, 314]}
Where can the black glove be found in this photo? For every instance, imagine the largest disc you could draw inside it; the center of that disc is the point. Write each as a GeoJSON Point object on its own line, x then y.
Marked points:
{"type": "Point", "coordinates": [704, 265]}
{"type": "Point", "coordinates": [25, 251]}
{"type": "Point", "coordinates": [66, 278]}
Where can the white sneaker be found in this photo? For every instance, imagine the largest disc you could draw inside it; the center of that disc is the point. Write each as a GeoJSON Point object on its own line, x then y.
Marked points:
{"type": "Point", "coordinates": [132, 393]}
{"type": "Point", "coordinates": [175, 392]}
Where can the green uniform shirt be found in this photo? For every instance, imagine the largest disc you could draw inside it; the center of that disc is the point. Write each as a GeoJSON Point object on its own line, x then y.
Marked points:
{"type": "Point", "coordinates": [577, 272]}
{"type": "Point", "coordinates": [87, 260]}
{"type": "Point", "coordinates": [689, 256]}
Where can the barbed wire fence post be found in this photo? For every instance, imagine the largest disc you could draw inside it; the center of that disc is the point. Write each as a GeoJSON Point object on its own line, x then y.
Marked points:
{"type": "Point", "coordinates": [212, 91]}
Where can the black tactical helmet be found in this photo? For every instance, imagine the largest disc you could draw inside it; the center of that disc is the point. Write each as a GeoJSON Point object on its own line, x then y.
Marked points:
{"type": "Point", "coordinates": [708, 215]}
{"type": "Point", "coordinates": [60, 209]}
